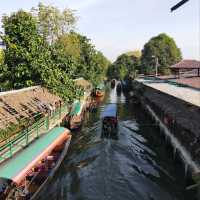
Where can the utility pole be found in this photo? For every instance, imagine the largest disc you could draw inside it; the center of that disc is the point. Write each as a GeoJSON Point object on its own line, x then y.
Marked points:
{"type": "Point", "coordinates": [156, 66]}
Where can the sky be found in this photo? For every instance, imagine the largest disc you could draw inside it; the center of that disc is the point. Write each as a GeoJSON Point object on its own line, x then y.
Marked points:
{"type": "Point", "coordinates": [119, 26]}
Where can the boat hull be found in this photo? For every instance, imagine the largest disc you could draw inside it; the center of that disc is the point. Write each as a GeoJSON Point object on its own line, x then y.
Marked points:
{"type": "Point", "coordinates": [42, 188]}
{"type": "Point", "coordinates": [99, 93]}
{"type": "Point", "coordinates": [75, 122]}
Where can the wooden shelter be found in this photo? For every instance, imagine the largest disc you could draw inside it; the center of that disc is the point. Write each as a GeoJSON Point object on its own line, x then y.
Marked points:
{"type": "Point", "coordinates": [186, 66]}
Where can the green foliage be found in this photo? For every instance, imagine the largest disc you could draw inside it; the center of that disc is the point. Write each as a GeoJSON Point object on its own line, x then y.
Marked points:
{"type": "Point", "coordinates": [2, 57]}
{"type": "Point", "coordinates": [53, 22]}
{"type": "Point", "coordinates": [77, 57]}
{"type": "Point", "coordinates": [124, 66]}
{"type": "Point", "coordinates": [162, 47]}
{"type": "Point", "coordinates": [30, 59]}
{"type": "Point", "coordinates": [136, 54]}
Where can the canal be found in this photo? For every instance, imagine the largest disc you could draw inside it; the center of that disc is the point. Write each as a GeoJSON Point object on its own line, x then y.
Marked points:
{"type": "Point", "coordinates": [137, 166]}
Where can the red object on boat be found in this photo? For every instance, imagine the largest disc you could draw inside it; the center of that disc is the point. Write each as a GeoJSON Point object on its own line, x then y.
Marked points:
{"type": "Point", "coordinates": [99, 93]}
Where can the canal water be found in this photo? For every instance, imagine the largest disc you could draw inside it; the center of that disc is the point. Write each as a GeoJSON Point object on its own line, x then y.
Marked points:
{"type": "Point", "coordinates": [137, 166]}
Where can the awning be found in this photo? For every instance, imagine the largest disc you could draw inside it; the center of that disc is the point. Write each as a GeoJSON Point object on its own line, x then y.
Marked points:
{"type": "Point", "coordinates": [75, 108]}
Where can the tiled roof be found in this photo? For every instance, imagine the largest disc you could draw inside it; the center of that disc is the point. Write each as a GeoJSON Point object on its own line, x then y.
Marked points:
{"type": "Point", "coordinates": [187, 64]}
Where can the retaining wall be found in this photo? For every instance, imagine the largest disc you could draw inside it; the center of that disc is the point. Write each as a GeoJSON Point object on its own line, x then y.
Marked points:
{"type": "Point", "coordinates": [181, 118]}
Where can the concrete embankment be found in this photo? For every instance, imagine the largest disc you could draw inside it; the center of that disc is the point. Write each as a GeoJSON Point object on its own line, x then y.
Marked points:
{"type": "Point", "coordinates": [177, 118]}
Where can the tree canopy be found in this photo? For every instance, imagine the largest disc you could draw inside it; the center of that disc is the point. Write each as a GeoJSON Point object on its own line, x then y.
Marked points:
{"type": "Point", "coordinates": [2, 56]}
{"type": "Point", "coordinates": [31, 59]}
{"type": "Point", "coordinates": [164, 49]}
{"type": "Point", "coordinates": [125, 65]}
{"type": "Point", "coordinates": [53, 22]}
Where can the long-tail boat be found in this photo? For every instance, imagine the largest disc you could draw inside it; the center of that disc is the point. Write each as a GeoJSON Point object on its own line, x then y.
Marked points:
{"type": "Point", "coordinates": [100, 90]}
{"type": "Point", "coordinates": [119, 87]}
{"type": "Point", "coordinates": [27, 174]}
{"type": "Point", "coordinates": [113, 83]}
{"type": "Point", "coordinates": [75, 116]}
{"type": "Point", "coordinates": [110, 122]}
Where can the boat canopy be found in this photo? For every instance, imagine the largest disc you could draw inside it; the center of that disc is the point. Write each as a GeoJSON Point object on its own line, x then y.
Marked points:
{"type": "Point", "coordinates": [110, 111]}
{"type": "Point", "coordinates": [76, 108]}
{"type": "Point", "coordinates": [16, 167]}
{"type": "Point", "coordinates": [100, 86]}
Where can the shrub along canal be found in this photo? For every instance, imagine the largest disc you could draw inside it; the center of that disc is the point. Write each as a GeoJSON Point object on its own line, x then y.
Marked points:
{"type": "Point", "coordinates": [137, 166]}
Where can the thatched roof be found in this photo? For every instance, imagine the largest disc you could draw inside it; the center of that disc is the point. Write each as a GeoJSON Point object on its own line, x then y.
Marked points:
{"type": "Point", "coordinates": [25, 103]}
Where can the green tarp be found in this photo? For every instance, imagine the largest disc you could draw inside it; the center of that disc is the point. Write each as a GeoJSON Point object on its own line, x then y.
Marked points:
{"type": "Point", "coordinates": [14, 165]}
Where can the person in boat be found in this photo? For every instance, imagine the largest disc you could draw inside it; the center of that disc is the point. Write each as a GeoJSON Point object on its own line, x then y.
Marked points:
{"type": "Point", "coordinates": [5, 187]}
{"type": "Point", "coordinates": [109, 121]}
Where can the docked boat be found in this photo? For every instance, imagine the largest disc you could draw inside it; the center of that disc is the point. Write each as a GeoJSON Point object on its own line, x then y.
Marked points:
{"type": "Point", "coordinates": [110, 122]}
{"type": "Point", "coordinates": [99, 91]}
{"type": "Point", "coordinates": [75, 116]}
{"type": "Point", "coordinates": [113, 83]}
{"type": "Point", "coordinates": [34, 166]}
{"type": "Point", "coordinates": [119, 88]}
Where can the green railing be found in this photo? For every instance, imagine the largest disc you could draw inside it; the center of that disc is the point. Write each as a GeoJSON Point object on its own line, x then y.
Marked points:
{"type": "Point", "coordinates": [31, 133]}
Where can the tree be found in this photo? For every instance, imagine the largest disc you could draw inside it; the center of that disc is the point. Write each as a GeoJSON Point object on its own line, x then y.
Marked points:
{"type": "Point", "coordinates": [165, 49]}
{"type": "Point", "coordinates": [124, 66]}
{"type": "Point", "coordinates": [53, 22]}
{"type": "Point", "coordinates": [23, 48]}
{"type": "Point", "coordinates": [29, 60]}
{"type": "Point", "coordinates": [2, 56]}
{"type": "Point", "coordinates": [78, 57]}
{"type": "Point", "coordinates": [136, 54]}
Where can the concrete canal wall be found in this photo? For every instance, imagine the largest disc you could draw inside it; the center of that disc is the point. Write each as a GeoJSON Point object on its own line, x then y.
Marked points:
{"type": "Point", "coordinates": [180, 120]}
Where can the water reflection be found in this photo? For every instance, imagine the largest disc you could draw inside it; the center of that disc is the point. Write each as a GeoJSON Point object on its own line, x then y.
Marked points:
{"type": "Point", "coordinates": [137, 166]}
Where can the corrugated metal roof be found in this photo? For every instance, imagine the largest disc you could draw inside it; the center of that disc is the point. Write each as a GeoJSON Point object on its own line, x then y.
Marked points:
{"type": "Point", "coordinates": [187, 64]}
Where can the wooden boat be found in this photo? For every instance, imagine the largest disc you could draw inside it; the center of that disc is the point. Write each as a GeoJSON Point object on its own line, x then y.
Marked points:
{"type": "Point", "coordinates": [100, 91]}
{"type": "Point", "coordinates": [119, 88]}
{"type": "Point", "coordinates": [33, 175]}
{"type": "Point", "coordinates": [112, 83]}
{"type": "Point", "coordinates": [75, 116]}
{"type": "Point", "coordinates": [110, 122]}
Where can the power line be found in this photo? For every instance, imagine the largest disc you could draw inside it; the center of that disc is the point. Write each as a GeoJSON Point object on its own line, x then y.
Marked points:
{"type": "Point", "coordinates": [179, 5]}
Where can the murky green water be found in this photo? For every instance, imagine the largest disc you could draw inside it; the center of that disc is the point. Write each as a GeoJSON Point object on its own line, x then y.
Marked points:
{"type": "Point", "coordinates": [137, 166]}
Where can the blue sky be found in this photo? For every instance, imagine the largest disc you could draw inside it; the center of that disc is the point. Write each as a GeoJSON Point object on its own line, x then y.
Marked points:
{"type": "Point", "coordinates": [118, 26]}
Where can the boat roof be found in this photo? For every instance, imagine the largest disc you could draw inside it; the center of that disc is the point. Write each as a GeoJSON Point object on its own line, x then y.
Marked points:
{"type": "Point", "coordinates": [75, 108]}
{"type": "Point", "coordinates": [110, 111]}
{"type": "Point", "coordinates": [100, 86]}
{"type": "Point", "coordinates": [12, 167]}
